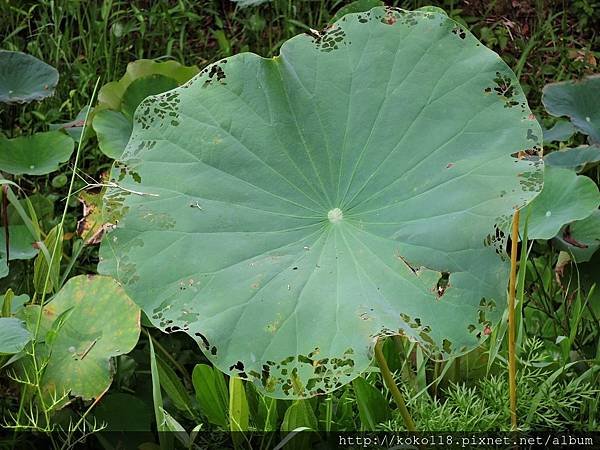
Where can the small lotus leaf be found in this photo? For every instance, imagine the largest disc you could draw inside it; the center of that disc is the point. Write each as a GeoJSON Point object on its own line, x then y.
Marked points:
{"type": "Point", "coordinates": [561, 131]}
{"type": "Point", "coordinates": [579, 101]}
{"type": "Point", "coordinates": [286, 212]}
{"type": "Point", "coordinates": [21, 243]}
{"type": "Point", "coordinates": [581, 238]}
{"type": "Point", "coordinates": [113, 130]}
{"type": "Point", "coordinates": [111, 94]}
{"type": "Point", "coordinates": [565, 197]}
{"type": "Point", "coordinates": [13, 335]}
{"type": "Point", "coordinates": [102, 322]}
{"type": "Point", "coordinates": [38, 154]}
{"type": "Point", "coordinates": [574, 158]}
{"type": "Point", "coordinates": [143, 87]}
{"type": "Point", "coordinates": [118, 100]}
{"type": "Point", "coordinates": [24, 78]}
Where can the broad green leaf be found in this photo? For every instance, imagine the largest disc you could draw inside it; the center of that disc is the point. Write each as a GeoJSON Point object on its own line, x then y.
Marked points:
{"type": "Point", "coordinates": [299, 414]}
{"type": "Point", "coordinates": [581, 239]}
{"type": "Point", "coordinates": [299, 417]}
{"type": "Point", "coordinates": [118, 100]}
{"type": "Point", "coordinates": [173, 387]}
{"type": "Point", "coordinates": [211, 393]}
{"type": "Point", "coordinates": [143, 87]}
{"type": "Point", "coordinates": [565, 197]}
{"type": "Point", "coordinates": [561, 131]}
{"type": "Point", "coordinates": [111, 94]}
{"type": "Point", "coordinates": [355, 7]}
{"type": "Point", "coordinates": [579, 101]}
{"type": "Point", "coordinates": [21, 244]}
{"type": "Point", "coordinates": [38, 154]}
{"type": "Point", "coordinates": [574, 158]}
{"type": "Point", "coordinates": [285, 212]}
{"type": "Point", "coordinates": [13, 335]}
{"type": "Point", "coordinates": [176, 429]}
{"type": "Point", "coordinates": [239, 417]}
{"type": "Point", "coordinates": [373, 408]}
{"type": "Point", "coordinates": [24, 78]}
{"type": "Point", "coordinates": [103, 322]}
{"type": "Point", "coordinates": [113, 130]}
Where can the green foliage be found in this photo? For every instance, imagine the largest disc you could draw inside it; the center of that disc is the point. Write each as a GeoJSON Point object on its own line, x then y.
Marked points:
{"type": "Point", "coordinates": [581, 238]}
{"type": "Point", "coordinates": [211, 393]}
{"type": "Point", "coordinates": [24, 78]}
{"type": "Point", "coordinates": [87, 322]}
{"type": "Point", "coordinates": [574, 158]}
{"type": "Point", "coordinates": [373, 408]}
{"type": "Point", "coordinates": [356, 6]}
{"type": "Point", "coordinates": [558, 404]}
{"type": "Point", "coordinates": [118, 100]}
{"type": "Point", "coordinates": [559, 299]}
{"type": "Point", "coordinates": [565, 197]}
{"type": "Point", "coordinates": [13, 335]}
{"type": "Point", "coordinates": [578, 101]}
{"type": "Point", "coordinates": [38, 154]}
{"type": "Point", "coordinates": [265, 237]}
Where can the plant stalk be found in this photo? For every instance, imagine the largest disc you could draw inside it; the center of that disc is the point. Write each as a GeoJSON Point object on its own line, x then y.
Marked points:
{"type": "Point", "coordinates": [391, 385]}
{"type": "Point", "coordinates": [512, 360]}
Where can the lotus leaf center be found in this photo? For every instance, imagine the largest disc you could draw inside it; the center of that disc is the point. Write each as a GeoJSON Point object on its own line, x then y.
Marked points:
{"type": "Point", "coordinates": [335, 215]}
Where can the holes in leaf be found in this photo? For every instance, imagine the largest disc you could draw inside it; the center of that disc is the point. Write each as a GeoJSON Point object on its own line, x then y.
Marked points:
{"type": "Point", "coordinates": [329, 39]}
{"type": "Point", "coordinates": [203, 339]}
{"type": "Point", "coordinates": [442, 284]}
{"type": "Point", "coordinates": [460, 32]}
{"type": "Point", "coordinates": [215, 73]}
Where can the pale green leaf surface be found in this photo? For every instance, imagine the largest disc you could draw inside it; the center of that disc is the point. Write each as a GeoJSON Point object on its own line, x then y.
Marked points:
{"type": "Point", "coordinates": [288, 211]}
{"type": "Point", "coordinates": [581, 238]}
{"type": "Point", "coordinates": [565, 197]}
{"type": "Point", "coordinates": [38, 154]}
{"type": "Point", "coordinates": [574, 158]}
{"type": "Point", "coordinates": [103, 323]}
{"type": "Point", "coordinates": [20, 241]}
{"type": "Point", "coordinates": [111, 94]}
{"type": "Point", "coordinates": [13, 335]}
{"type": "Point", "coordinates": [577, 100]}
{"type": "Point", "coordinates": [113, 130]}
{"type": "Point", "coordinates": [561, 131]}
{"type": "Point", "coordinates": [24, 78]}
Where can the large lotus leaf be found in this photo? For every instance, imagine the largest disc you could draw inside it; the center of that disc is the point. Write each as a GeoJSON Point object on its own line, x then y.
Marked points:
{"type": "Point", "coordinates": [24, 78]}
{"type": "Point", "coordinates": [102, 322]}
{"type": "Point", "coordinates": [13, 335]}
{"type": "Point", "coordinates": [38, 154]}
{"type": "Point", "coordinates": [579, 101]}
{"type": "Point", "coordinates": [574, 158]}
{"type": "Point", "coordinates": [565, 197]}
{"type": "Point", "coordinates": [111, 94]}
{"type": "Point", "coordinates": [285, 212]}
{"type": "Point", "coordinates": [581, 238]}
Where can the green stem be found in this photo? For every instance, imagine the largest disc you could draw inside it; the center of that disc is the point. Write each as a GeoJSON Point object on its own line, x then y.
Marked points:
{"type": "Point", "coordinates": [178, 366]}
{"type": "Point", "coordinates": [391, 385]}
